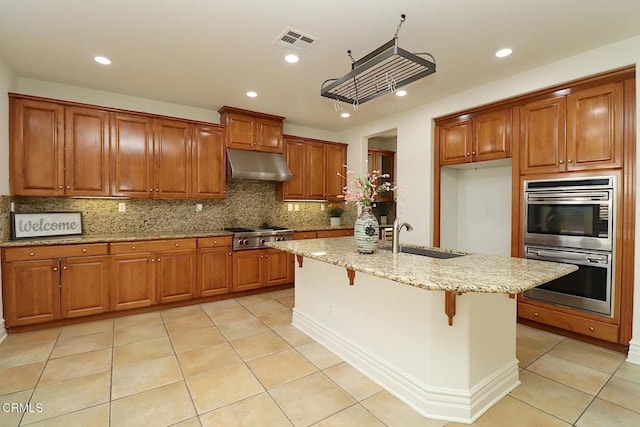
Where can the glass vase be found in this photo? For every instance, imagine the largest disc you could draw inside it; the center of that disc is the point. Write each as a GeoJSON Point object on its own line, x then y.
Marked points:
{"type": "Point", "coordinates": [366, 231]}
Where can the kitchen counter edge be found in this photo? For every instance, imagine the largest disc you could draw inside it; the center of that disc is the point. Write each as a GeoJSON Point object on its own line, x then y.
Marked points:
{"type": "Point", "coordinates": [470, 273]}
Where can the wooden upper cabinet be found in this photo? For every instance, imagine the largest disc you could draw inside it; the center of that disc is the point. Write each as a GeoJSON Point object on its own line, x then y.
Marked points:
{"type": "Point", "coordinates": [269, 135]}
{"type": "Point", "coordinates": [455, 142]}
{"type": "Point", "coordinates": [132, 155]}
{"type": "Point", "coordinates": [86, 152]}
{"type": "Point", "coordinates": [315, 172]}
{"type": "Point", "coordinates": [209, 173]}
{"type": "Point", "coordinates": [58, 150]}
{"type": "Point", "coordinates": [172, 159]}
{"type": "Point", "coordinates": [36, 148]}
{"type": "Point", "coordinates": [336, 159]}
{"type": "Point", "coordinates": [240, 131]}
{"type": "Point", "coordinates": [595, 128]}
{"type": "Point", "coordinates": [295, 154]}
{"type": "Point", "coordinates": [383, 161]}
{"type": "Point", "coordinates": [249, 130]}
{"type": "Point", "coordinates": [542, 136]}
{"type": "Point", "coordinates": [485, 136]}
{"type": "Point", "coordinates": [492, 136]}
{"type": "Point", "coordinates": [314, 165]}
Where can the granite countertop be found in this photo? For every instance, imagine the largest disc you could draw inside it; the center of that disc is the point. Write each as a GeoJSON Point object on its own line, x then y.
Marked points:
{"type": "Point", "coordinates": [107, 238]}
{"type": "Point", "coordinates": [469, 273]}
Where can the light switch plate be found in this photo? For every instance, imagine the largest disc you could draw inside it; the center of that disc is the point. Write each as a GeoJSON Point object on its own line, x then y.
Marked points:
{"type": "Point", "coordinates": [198, 207]}
{"type": "Point", "coordinates": [289, 207]}
{"type": "Point", "coordinates": [296, 207]}
{"type": "Point", "coordinates": [122, 207]}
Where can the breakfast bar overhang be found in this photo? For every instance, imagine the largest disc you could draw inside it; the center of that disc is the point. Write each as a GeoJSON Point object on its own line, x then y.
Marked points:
{"type": "Point", "coordinates": [439, 334]}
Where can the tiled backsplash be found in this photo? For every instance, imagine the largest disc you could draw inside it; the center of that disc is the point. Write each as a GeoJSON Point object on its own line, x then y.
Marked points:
{"type": "Point", "coordinates": [248, 204]}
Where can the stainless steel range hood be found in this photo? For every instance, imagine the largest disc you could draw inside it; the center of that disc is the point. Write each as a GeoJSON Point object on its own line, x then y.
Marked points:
{"type": "Point", "coordinates": [243, 164]}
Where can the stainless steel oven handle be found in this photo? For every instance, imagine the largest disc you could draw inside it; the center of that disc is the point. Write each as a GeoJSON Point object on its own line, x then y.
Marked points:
{"type": "Point", "coordinates": [569, 197]}
{"type": "Point", "coordinates": [567, 256]}
{"type": "Point", "coordinates": [596, 259]}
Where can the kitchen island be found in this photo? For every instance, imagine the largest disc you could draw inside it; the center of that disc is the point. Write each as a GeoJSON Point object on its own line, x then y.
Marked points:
{"type": "Point", "coordinates": [440, 334]}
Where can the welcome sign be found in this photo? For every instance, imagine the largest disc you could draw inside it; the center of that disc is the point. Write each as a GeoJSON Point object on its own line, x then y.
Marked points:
{"type": "Point", "coordinates": [45, 224]}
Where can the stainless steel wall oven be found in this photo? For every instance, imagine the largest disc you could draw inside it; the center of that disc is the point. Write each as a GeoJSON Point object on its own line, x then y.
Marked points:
{"type": "Point", "coordinates": [572, 220]}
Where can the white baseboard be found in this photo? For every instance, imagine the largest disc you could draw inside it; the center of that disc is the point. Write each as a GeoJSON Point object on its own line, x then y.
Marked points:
{"type": "Point", "coordinates": [3, 330]}
{"type": "Point", "coordinates": [634, 352]}
{"type": "Point", "coordinates": [464, 406]}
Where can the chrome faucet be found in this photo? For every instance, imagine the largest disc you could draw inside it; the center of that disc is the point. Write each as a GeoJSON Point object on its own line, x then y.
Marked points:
{"type": "Point", "coordinates": [397, 226]}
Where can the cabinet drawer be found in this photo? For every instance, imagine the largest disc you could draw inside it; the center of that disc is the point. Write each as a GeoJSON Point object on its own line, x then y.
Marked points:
{"type": "Point", "coordinates": [214, 242]}
{"type": "Point", "coordinates": [335, 233]}
{"type": "Point", "coordinates": [53, 251]}
{"type": "Point", "coordinates": [152, 246]}
{"type": "Point", "coordinates": [301, 235]}
{"type": "Point", "coordinates": [580, 325]}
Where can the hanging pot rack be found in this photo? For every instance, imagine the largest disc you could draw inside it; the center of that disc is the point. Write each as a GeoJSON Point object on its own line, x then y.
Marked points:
{"type": "Point", "coordinates": [382, 71]}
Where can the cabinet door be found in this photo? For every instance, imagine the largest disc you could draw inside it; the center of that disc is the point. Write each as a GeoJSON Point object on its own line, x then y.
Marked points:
{"type": "Point", "coordinates": [214, 271]}
{"type": "Point", "coordinates": [542, 136]}
{"type": "Point", "coordinates": [209, 168]}
{"type": "Point", "coordinates": [492, 136]}
{"type": "Point", "coordinates": [132, 283]}
{"type": "Point", "coordinates": [277, 267]}
{"type": "Point", "coordinates": [294, 152]}
{"type": "Point", "coordinates": [240, 131]}
{"type": "Point", "coordinates": [85, 286]}
{"type": "Point", "coordinates": [36, 148]}
{"type": "Point", "coordinates": [246, 269]}
{"type": "Point", "coordinates": [176, 275]}
{"type": "Point", "coordinates": [383, 161]}
{"type": "Point", "coordinates": [269, 135]}
{"type": "Point", "coordinates": [172, 159]}
{"type": "Point", "coordinates": [595, 128]}
{"type": "Point", "coordinates": [86, 152]}
{"type": "Point", "coordinates": [131, 156]}
{"type": "Point", "coordinates": [31, 291]}
{"type": "Point", "coordinates": [316, 171]}
{"type": "Point", "coordinates": [336, 159]}
{"type": "Point", "coordinates": [455, 142]}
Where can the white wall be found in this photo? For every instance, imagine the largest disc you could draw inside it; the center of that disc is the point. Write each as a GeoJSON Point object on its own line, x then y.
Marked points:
{"type": "Point", "coordinates": [7, 84]}
{"type": "Point", "coordinates": [415, 137]}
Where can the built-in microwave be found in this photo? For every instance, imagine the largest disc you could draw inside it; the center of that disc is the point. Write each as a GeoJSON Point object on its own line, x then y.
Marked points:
{"type": "Point", "coordinates": [571, 213]}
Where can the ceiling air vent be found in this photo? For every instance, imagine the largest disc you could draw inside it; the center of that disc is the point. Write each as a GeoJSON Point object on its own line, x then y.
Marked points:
{"type": "Point", "coordinates": [292, 38]}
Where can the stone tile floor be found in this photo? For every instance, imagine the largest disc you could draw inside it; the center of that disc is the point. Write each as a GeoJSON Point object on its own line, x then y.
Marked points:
{"type": "Point", "coordinates": [239, 362]}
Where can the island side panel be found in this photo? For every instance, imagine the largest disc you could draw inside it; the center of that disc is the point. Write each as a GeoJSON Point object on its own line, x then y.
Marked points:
{"type": "Point", "coordinates": [398, 335]}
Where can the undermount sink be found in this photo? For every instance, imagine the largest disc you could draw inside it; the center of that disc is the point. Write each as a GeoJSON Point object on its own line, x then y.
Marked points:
{"type": "Point", "coordinates": [428, 252]}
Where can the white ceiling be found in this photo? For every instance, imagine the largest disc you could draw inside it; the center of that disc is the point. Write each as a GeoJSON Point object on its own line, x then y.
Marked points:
{"type": "Point", "coordinates": [208, 53]}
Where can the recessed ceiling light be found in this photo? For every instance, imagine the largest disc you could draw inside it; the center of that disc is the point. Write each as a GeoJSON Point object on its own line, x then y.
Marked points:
{"type": "Point", "coordinates": [401, 92]}
{"type": "Point", "coordinates": [345, 115]}
{"type": "Point", "coordinates": [291, 58]}
{"type": "Point", "coordinates": [252, 94]}
{"type": "Point", "coordinates": [503, 52]}
{"type": "Point", "coordinates": [102, 60]}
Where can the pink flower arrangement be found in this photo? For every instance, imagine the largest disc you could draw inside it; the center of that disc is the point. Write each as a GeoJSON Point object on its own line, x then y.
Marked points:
{"type": "Point", "coordinates": [365, 190]}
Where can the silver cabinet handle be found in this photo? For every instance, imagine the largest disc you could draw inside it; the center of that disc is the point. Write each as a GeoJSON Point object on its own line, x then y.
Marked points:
{"type": "Point", "coordinates": [473, 152]}
{"type": "Point", "coordinates": [561, 162]}
{"type": "Point", "coordinates": [569, 161]}
{"type": "Point", "coordinates": [153, 260]}
{"type": "Point", "coordinates": [133, 248]}
{"type": "Point", "coordinates": [55, 268]}
{"type": "Point", "coordinates": [32, 253]}
{"type": "Point", "coordinates": [177, 245]}
{"type": "Point", "coordinates": [158, 259]}
{"type": "Point", "coordinates": [151, 190]}
{"type": "Point", "coordinates": [84, 250]}
{"type": "Point", "coordinates": [64, 268]}
{"type": "Point", "coordinates": [68, 187]}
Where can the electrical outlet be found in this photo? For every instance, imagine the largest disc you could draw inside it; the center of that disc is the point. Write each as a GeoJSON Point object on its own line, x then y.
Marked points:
{"type": "Point", "coordinates": [296, 207]}
{"type": "Point", "coordinates": [122, 207]}
{"type": "Point", "coordinates": [198, 207]}
{"type": "Point", "coordinates": [322, 207]}
{"type": "Point", "coordinates": [289, 207]}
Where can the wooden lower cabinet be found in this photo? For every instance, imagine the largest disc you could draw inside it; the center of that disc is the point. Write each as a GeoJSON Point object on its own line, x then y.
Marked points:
{"type": "Point", "coordinates": [582, 325]}
{"type": "Point", "coordinates": [38, 287]}
{"type": "Point", "coordinates": [336, 233]}
{"type": "Point", "coordinates": [133, 278]}
{"type": "Point", "coordinates": [258, 268]}
{"type": "Point", "coordinates": [152, 272]}
{"type": "Point", "coordinates": [214, 266]}
{"type": "Point", "coordinates": [85, 286]}
{"type": "Point", "coordinates": [31, 292]}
